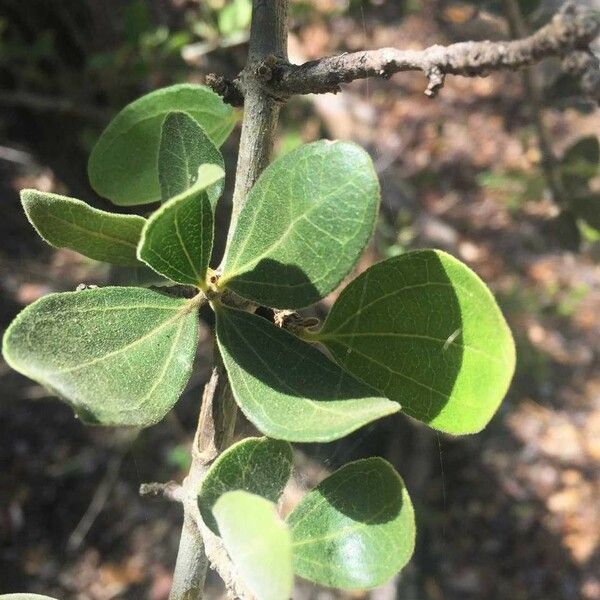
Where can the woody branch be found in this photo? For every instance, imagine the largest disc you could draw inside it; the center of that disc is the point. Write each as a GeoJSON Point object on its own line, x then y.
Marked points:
{"type": "Point", "coordinates": [568, 35]}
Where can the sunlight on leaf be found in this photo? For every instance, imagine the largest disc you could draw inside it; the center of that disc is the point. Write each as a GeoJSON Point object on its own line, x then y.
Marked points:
{"type": "Point", "coordinates": [424, 330]}
{"type": "Point", "coordinates": [260, 466]}
{"type": "Point", "coordinates": [304, 225]}
{"type": "Point", "coordinates": [119, 356]}
{"type": "Point", "coordinates": [177, 239]}
{"type": "Point", "coordinates": [184, 148]}
{"type": "Point", "coordinates": [356, 529]}
{"type": "Point", "coordinates": [258, 543]}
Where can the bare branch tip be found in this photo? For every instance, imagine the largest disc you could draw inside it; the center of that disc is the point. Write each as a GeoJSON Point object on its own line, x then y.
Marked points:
{"type": "Point", "coordinates": [228, 89]}
{"type": "Point", "coordinates": [436, 78]}
{"type": "Point", "coordinates": [170, 490]}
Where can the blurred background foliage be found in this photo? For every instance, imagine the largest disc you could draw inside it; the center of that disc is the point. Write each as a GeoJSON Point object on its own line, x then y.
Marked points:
{"type": "Point", "coordinates": [511, 513]}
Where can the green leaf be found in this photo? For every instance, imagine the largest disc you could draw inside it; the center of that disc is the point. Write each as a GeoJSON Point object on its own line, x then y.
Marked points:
{"type": "Point", "coordinates": [184, 148]}
{"type": "Point", "coordinates": [123, 163]}
{"type": "Point", "coordinates": [289, 389]}
{"type": "Point", "coordinates": [424, 330]}
{"type": "Point", "coordinates": [258, 543]}
{"type": "Point", "coordinates": [69, 223]}
{"type": "Point", "coordinates": [119, 356]}
{"type": "Point", "coordinates": [304, 225]}
{"type": "Point", "coordinates": [177, 239]}
{"type": "Point", "coordinates": [588, 208]}
{"type": "Point", "coordinates": [24, 597]}
{"type": "Point", "coordinates": [260, 466]}
{"type": "Point", "coordinates": [234, 17]}
{"type": "Point", "coordinates": [356, 529]}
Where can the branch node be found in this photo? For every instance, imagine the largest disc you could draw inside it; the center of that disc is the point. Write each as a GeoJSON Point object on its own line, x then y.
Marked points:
{"type": "Point", "coordinates": [229, 90]}
{"type": "Point", "coordinates": [572, 29]}
{"type": "Point", "coordinates": [293, 322]}
{"type": "Point", "coordinates": [264, 72]}
{"type": "Point", "coordinates": [436, 78]}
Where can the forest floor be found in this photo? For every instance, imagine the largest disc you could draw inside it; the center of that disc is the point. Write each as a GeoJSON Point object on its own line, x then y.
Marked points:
{"type": "Point", "coordinates": [512, 513]}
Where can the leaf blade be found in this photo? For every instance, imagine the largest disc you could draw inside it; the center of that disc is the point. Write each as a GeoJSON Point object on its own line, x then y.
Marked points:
{"type": "Point", "coordinates": [65, 222]}
{"type": "Point", "coordinates": [288, 389]}
{"type": "Point", "coordinates": [424, 330]}
{"type": "Point", "coordinates": [260, 466]}
{"type": "Point", "coordinates": [177, 239]}
{"type": "Point", "coordinates": [258, 543]}
{"type": "Point", "coordinates": [123, 164]}
{"type": "Point", "coordinates": [356, 529]}
{"type": "Point", "coordinates": [184, 148]}
{"type": "Point", "coordinates": [118, 356]}
{"type": "Point", "coordinates": [304, 225]}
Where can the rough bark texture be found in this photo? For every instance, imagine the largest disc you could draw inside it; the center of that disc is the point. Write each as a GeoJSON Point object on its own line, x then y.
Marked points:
{"type": "Point", "coordinates": [268, 38]}
{"type": "Point", "coordinates": [191, 566]}
{"type": "Point", "coordinates": [214, 433]}
{"type": "Point", "coordinates": [570, 31]}
{"type": "Point", "coordinates": [216, 423]}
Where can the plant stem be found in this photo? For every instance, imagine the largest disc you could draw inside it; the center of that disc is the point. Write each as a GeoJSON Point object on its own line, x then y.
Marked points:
{"type": "Point", "coordinates": [192, 564]}
{"type": "Point", "coordinates": [268, 36]}
{"type": "Point", "coordinates": [214, 432]}
{"type": "Point", "coordinates": [569, 32]}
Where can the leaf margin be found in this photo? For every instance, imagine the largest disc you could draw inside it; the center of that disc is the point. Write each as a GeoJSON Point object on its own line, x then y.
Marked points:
{"type": "Point", "coordinates": [30, 195]}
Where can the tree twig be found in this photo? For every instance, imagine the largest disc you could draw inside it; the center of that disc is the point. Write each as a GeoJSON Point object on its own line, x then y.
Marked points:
{"type": "Point", "coordinates": [170, 490]}
{"type": "Point", "coordinates": [571, 30]}
{"type": "Point", "coordinates": [213, 434]}
{"type": "Point", "coordinates": [198, 546]}
{"type": "Point", "coordinates": [268, 38]}
{"type": "Point", "coordinates": [214, 552]}
{"type": "Point", "coordinates": [220, 562]}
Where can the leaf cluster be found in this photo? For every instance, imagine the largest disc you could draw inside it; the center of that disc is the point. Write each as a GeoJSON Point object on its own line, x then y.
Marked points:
{"type": "Point", "coordinates": [418, 333]}
{"type": "Point", "coordinates": [356, 529]}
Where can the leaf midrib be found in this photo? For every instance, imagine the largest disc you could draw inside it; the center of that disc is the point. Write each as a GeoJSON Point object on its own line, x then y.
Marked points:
{"type": "Point", "coordinates": [347, 427]}
{"type": "Point", "coordinates": [93, 231]}
{"type": "Point", "coordinates": [399, 373]}
{"type": "Point", "coordinates": [337, 336]}
{"type": "Point", "coordinates": [184, 247]}
{"type": "Point", "coordinates": [163, 371]}
{"type": "Point", "coordinates": [315, 404]}
{"type": "Point", "coordinates": [123, 133]}
{"type": "Point", "coordinates": [364, 307]}
{"type": "Point", "coordinates": [237, 269]}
